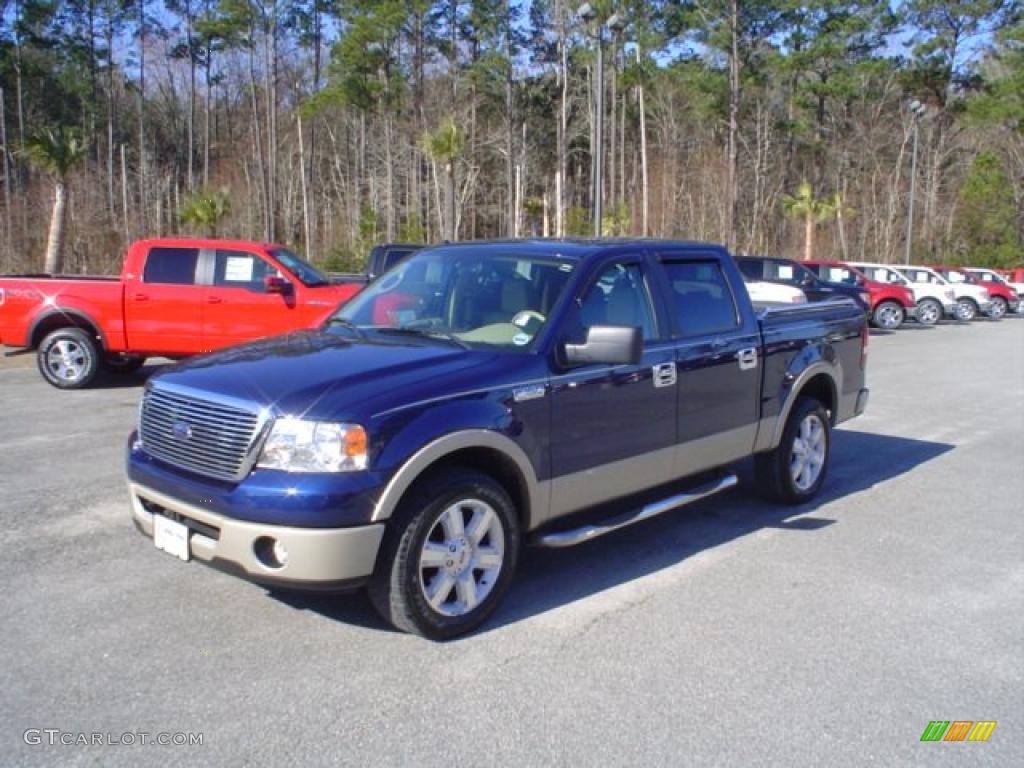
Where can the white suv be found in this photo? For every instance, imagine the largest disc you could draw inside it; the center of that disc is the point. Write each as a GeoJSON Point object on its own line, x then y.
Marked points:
{"type": "Point", "coordinates": [934, 301]}
{"type": "Point", "coordinates": [972, 299]}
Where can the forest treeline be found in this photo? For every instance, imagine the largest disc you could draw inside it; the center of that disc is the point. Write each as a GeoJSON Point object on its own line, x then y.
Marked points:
{"type": "Point", "coordinates": [774, 126]}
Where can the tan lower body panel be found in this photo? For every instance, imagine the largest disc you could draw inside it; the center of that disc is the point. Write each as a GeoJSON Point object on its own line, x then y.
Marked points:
{"type": "Point", "coordinates": [315, 555]}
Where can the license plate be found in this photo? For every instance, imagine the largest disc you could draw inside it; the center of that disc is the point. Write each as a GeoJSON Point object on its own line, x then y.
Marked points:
{"type": "Point", "coordinates": [171, 537]}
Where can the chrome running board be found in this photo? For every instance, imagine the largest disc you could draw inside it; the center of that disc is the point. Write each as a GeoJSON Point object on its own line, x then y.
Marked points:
{"type": "Point", "coordinates": [570, 538]}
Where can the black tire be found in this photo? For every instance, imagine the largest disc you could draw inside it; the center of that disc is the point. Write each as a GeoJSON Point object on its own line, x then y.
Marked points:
{"type": "Point", "coordinates": [398, 588]}
{"type": "Point", "coordinates": [888, 315]}
{"type": "Point", "coordinates": [774, 473]}
{"type": "Point", "coordinates": [69, 358]}
{"type": "Point", "coordinates": [999, 308]}
{"type": "Point", "coordinates": [968, 309]}
{"type": "Point", "coordinates": [123, 364]}
{"type": "Point", "coordinates": [929, 311]}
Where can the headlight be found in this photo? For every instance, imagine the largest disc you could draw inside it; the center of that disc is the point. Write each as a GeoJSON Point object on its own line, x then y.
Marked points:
{"type": "Point", "coordinates": [295, 445]}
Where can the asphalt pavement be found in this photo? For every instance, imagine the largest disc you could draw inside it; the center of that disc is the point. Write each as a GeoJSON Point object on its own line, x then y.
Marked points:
{"type": "Point", "coordinates": [730, 633]}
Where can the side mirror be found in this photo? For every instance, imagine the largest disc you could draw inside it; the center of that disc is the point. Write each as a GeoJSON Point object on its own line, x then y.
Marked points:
{"type": "Point", "coordinates": [275, 284]}
{"type": "Point", "coordinates": [611, 344]}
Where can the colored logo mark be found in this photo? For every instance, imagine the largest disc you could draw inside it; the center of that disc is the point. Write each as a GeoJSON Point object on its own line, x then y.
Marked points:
{"type": "Point", "coordinates": [958, 730]}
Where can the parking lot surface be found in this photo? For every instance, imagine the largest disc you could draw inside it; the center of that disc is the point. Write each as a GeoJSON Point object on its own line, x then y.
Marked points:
{"type": "Point", "coordinates": [728, 633]}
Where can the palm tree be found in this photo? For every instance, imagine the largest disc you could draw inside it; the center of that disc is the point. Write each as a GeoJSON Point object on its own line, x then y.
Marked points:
{"type": "Point", "coordinates": [56, 153]}
{"type": "Point", "coordinates": [444, 146]}
{"type": "Point", "coordinates": [206, 210]}
{"type": "Point", "coordinates": [805, 204]}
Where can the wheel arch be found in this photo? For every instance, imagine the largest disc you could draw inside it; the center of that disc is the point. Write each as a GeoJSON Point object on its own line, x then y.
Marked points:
{"type": "Point", "coordinates": [48, 322]}
{"type": "Point", "coordinates": [818, 380]}
{"type": "Point", "coordinates": [484, 450]}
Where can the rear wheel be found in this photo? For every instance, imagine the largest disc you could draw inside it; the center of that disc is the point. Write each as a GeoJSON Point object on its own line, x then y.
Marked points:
{"type": "Point", "coordinates": [929, 311]}
{"type": "Point", "coordinates": [69, 358]}
{"type": "Point", "coordinates": [794, 472]}
{"type": "Point", "coordinates": [999, 308]}
{"type": "Point", "coordinates": [968, 309]}
{"type": "Point", "coordinates": [448, 556]}
{"type": "Point", "coordinates": [888, 315]}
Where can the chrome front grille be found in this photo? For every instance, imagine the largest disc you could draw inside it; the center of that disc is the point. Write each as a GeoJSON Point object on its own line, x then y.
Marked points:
{"type": "Point", "coordinates": [202, 436]}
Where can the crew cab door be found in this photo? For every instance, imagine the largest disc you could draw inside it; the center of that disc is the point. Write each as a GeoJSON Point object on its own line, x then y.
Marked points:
{"type": "Point", "coordinates": [718, 361]}
{"type": "Point", "coordinates": [163, 307]}
{"type": "Point", "coordinates": [237, 306]}
{"type": "Point", "coordinates": [613, 426]}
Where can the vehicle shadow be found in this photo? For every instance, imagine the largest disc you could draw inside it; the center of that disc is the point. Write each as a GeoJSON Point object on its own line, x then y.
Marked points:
{"type": "Point", "coordinates": [110, 380]}
{"type": "Point", "coordinates": [551, 578]}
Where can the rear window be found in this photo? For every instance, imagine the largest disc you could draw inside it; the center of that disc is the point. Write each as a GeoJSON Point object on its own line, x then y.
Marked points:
{"type": "Point", "coordinates": [173, 266]}
{"type": "Point", "coordinates": [752, 269]}
{"type": "Point", "coordinates": [703, 301]}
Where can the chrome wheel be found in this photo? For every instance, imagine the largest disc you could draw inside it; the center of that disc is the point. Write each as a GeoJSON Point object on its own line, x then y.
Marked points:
{"type": "Point", "coordinates": [462, 557]}
{"type": "Point", "coordinates": [968, 310]}
{"type": "Point", "coordinates": [889, 316]}
{"type": "Point", "coordinates": [808, 453]}
{"type": "Point", "coordinates": [929, 312]}
{"type": "Point", "coordinates": [67, 360]}
{"type": "Point", "coordinates": [999, 308]}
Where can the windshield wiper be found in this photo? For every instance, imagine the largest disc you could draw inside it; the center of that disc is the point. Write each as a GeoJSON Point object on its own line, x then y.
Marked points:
{"type": "Point", "coordinates": [427, 333]}
{"type": "Point", "coordinates": [348, 324]}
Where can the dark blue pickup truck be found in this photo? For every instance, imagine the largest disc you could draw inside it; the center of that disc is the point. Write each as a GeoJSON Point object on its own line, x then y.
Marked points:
{"type": "Point", "coordinates": [481, 396]}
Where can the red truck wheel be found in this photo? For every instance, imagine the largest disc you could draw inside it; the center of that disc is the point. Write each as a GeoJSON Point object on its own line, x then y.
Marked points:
{"type": "Point", "coordinates": [68, 358]}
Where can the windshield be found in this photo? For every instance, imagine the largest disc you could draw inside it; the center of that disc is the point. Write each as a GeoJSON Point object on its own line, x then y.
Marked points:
{"type": "Point", "coordinates": [308, 274]}
{"type": "Point", "coordinates": [467, 296]}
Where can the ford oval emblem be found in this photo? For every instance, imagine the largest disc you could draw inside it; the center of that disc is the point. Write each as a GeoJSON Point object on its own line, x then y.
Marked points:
{"type": "Point", "coordinates": [182, 431]}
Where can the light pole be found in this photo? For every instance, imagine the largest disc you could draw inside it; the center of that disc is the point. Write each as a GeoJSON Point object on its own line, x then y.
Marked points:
{"type": "Point", "coordinates": [917, 110]}
{"type": "Point", "coordinates": [615, 23]}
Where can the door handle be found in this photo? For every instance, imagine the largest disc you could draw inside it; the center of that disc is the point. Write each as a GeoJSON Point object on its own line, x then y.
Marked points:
{"type": "Point", "coordinates": [213, 300]}
{"type": "Point", "coordinates": [141, 297]}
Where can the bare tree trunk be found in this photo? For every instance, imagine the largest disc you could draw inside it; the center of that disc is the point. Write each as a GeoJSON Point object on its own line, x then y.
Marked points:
{"type": "Point", "coordinates": [510, 181]}
{"type": "Point", "coordinates": [731, 191]}
{"type": "Point", "coordinates": [8, 235]}
{"type": "Point", "coordinates": [142, 115]}
{"type": "Point", "coordinates": [124, 195]}
{"type": "Point", "coordinates": [54, 263]}
{"type": "Point", "coordinates": [306, 227]}
{"type": "Point", "coordinates": [808, 237]}
{"type": "Point", "coordinates": [645, 190]}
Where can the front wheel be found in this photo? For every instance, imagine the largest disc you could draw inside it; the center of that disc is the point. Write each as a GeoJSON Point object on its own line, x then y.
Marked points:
{"type": "Point", "coordinates": [448, 556]}
{"type": "Point", "coordinates": [999, 308]}
{"type": "Point", "coordinates": [68, 358]}
{"type": "Point", "coordinates": [888, 315]}
{"type": "Point", "coordinates": [968, 309]}
{"type": "Point", "coordinates": [929, 312]}
{"type": "Point", "coordinates": [794, 472]}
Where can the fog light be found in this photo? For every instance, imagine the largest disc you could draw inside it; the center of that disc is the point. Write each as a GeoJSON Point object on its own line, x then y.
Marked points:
{"type": "Point", "coordinates": [270, 552]}
{"type": "Point", "coordinates": [280, 553]}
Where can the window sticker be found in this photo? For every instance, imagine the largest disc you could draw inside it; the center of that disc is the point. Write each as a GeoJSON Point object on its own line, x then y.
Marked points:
{"type": "Point", "coordinates": [521, 339]}
{"type": "Point", "coordinates": [238, 269]}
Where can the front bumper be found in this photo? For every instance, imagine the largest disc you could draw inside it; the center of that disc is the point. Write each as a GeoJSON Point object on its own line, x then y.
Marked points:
{"type": "Point", "coordinates": [985, 307]}
{"type": "Point", "coordinates": [318, 558]}
{"type": "Point", "coordinates": [910, 313]}
{"type": "Point", "coordinates": [952, 310]}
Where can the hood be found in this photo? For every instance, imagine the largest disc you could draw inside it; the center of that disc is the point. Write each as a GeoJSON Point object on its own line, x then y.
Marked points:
{"type": "Point", "coordinates": [331, 376]}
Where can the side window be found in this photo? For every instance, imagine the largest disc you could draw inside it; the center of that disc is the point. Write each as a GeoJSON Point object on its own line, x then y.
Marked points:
{"type": "Point", "coordinates": [753, 269]}
{"type": "Point", "coordinates": [238, 269]}
{"type": "Point", "coordinates": [703, 301]}
{"type": "Point", "coordinates": [782, 273]}
{"type": "Point", "coordinates": [171, 266]}
{"type": "Point", "coordinates": [619, 297]}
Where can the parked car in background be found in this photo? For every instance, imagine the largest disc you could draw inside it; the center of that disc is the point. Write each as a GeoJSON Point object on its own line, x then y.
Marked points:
{"type": "Point", "coordinates": [1015, 277]}
{"type": "Point", "coordinates": [995, 276]}
{"type": "Point", "coordinates": [764, 294]}
{"type": "Point", "coordinates": [174, 298]}
{"type": "Point", "coordinates": [381, 259]}
{"type": "Point", "coordinates": [775, 269]}
{"type": "Point", "coordinates": [525, 382]}
{"type": "Point", "coordinates": [1004, 299]}
{"type": "Point", "coordinates": [972, 299]}
{"type": "Point", "coordinates": [933, 301]}
{"type": "Point", "coordinates": [890, 304]}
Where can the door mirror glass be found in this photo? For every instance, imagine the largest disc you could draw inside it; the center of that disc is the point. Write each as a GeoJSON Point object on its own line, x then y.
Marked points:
{"type": "Point", "coordinates": [609, 344]}
{"type": "Point", "coordinates": [276, 284]}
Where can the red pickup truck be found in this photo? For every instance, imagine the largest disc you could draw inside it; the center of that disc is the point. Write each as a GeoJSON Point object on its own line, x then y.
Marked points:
{"type": "Point", "coordinates": [174, 298]}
